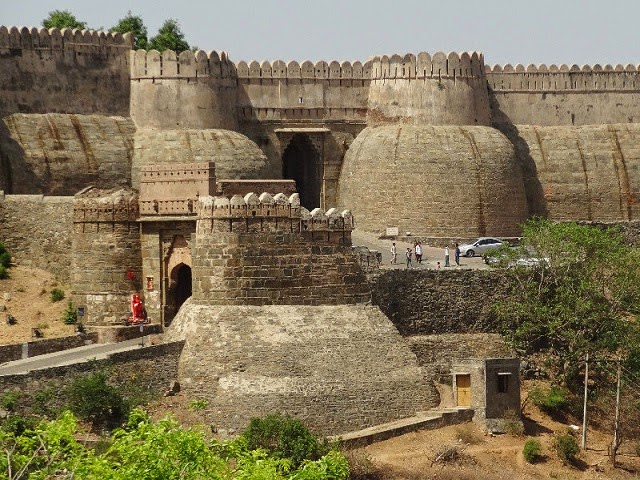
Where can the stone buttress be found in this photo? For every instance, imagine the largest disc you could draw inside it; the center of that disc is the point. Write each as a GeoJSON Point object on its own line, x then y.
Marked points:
{"type": "Point", "coordinates": [280, 321]}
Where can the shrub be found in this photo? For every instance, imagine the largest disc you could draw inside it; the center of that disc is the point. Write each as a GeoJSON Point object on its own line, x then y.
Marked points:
{"type": "Point", "coordinates": [56, 295]}
{"type": "Point", "coordinates": [552, 400]}
{"type": "Point", "coordinates": [93, 398]}
{"type": "Point", "coordinates": [284, 437]}
{"type": "Point", "coordinates": [70, 316]}
{"type": "Point", "coordinates": [532, 450]}
{"type": "Point", "coordinates": [17, 424]}
{"type": "Point", "coordinates": [4, 272]}
{"type": "Point", "coordinates": [5, 257]}
{"type": "Point", "coordinates": [566, 446]}
{"type": "Point", "coordinates": [468, 434]}
{"type": "Point", "coordinates": [10, 401]}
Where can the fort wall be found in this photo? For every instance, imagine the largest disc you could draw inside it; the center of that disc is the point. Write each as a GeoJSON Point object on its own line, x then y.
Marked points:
{"type": "Point", "coordinates": [60, 154]}
{"type": "Point", "coordinates": [63, 71]}
{"type": "Point", "coordinates": [106, 254]}
{"type": "Point", "coordinates": [443, 89]}
{"type": "Point", "coordinates": [564, 95]}
{"type": "Point", "coordinates": [36, 230]}
{"type": "Point", "coordinates": [189, 90]}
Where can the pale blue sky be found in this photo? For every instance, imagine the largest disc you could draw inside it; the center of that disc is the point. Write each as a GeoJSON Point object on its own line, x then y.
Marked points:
{"type": "Point", "coordinates": [515, 31]}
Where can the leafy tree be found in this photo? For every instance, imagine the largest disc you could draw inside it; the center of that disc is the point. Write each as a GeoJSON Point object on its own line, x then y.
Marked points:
{"type": "Point", "coordinates": [579, 294]}
{"type": "Point", "coordinates": [169, 37]}
{"type": "Point", "coordinates": [92, 397]}
{"type": "Point", "coordinates": [135, 25]}
{"type": "Point", "coordinates": [70, 315]}
{"type": "Point", "coordinates": [62, 19]}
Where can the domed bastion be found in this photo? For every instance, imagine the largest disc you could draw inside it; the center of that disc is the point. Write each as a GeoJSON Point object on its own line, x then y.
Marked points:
{"type": "Point", "coordinates": [279, 320]}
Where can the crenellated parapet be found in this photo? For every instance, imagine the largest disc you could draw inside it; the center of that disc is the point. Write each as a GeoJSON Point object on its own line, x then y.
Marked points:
{"type": "Point", "coordinates": [93, 206]}
{"type": "Point", "coordinates": [57, 39]}
{"type": "Point", "coordinates": [426, 66]}
{"type": "Point", "coordinates": [563, 77]}
{"type": "Point", "coordinates": [320, 70]}
{"type": "Point", "coordinates": [272, 213]}
{"type": "Point", "coordinates": [186, 65]}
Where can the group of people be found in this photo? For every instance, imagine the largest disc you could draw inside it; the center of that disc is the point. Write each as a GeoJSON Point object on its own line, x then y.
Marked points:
{"type": "Point", "coordinates": [417, 250]}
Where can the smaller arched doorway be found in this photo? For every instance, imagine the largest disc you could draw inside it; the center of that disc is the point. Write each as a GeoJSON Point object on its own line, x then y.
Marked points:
{"type": "Point", "coordinates": [180, 289]}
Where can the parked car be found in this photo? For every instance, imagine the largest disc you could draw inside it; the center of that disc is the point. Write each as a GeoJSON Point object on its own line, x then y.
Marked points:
{"type": "Point", "coordinates": [480, 246]}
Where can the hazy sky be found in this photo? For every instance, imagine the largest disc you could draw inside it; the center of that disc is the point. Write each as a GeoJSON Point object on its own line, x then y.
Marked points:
{"type": "Point", "coordinates": [514, 31]}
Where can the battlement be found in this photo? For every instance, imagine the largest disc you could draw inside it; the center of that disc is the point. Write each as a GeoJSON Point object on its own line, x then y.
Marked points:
{"type": "Point", "coordinates": [186, 65]}
{"type": "Point", "coordinates": [306, 70]}
{"type": "Point", "coordinates": [93, 205]}
{"type": "Point", "coordinates": [563, 78]}
{"type": "Point", "coordinates": [422, 66]}
{"type": "Point", "coordinates": [267, 213]}
{"type": "Point", "coordinates": [56, 39]}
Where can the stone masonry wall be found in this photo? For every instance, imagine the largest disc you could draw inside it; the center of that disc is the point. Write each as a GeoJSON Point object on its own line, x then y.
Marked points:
{"type": "Point", "coordinates": [151, 369]}
{"type": "Point", "coordinates": [65, 71]}
{"type": "Point", "coordinates": [424, 302]}
{"type": "Point", "coordinates": [37, 231]}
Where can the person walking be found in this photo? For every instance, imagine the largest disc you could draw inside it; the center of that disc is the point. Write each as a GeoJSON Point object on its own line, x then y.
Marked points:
{"type": "Point", "coordinates": [418, 249]}
{"type": "Point", "coordinates": [409, 254]}
{"type": "Point", "coordinates": [394, 254]}
{"type": "Point", "coordinates": [456, 255]}
{"type": "Point", "coordinates": [446, 256]}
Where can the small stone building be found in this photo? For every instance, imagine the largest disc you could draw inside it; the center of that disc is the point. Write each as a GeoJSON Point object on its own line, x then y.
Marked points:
{"type": "Point", "coordinates": [491, 387]}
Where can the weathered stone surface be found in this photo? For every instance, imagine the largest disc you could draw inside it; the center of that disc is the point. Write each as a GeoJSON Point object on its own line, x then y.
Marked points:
{"type": "Point", "coordinates": [423, 302]}
{"type": "Point", "coordinates": [337, 368]}
{"type": "Point", "coordinates": [434, 181]}
{"type": "Point", "coordinates": [235, 156]}
{"type": "Point", "coordinates": [60, 154]}
{"type": "Point", "coordinates": [37, 231]}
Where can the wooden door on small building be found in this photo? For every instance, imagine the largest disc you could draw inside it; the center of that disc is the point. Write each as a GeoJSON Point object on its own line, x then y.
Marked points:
{"type": "Point", "coordinates": [463, 390]}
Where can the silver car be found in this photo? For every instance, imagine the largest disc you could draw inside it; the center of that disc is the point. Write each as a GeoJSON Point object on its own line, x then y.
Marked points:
{"type": "Point", "coordinates": [479, 246]}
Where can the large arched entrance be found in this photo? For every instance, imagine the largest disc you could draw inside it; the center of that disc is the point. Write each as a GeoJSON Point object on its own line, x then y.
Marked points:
{"type": "Point", "coordinates": [301, 162]}
{"type": "Point", "coordinates": [180, 288]}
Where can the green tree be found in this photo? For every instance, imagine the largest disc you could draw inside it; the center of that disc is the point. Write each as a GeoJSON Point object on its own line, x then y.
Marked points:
{"type": "Point", "coordinates": [135, 25]}
{"type": "Point", "coordinates": [169, 37]}
{"type": "Point", "coordinates": [580, 295]}
{"type": "Point", "coordinates": [62, 19]}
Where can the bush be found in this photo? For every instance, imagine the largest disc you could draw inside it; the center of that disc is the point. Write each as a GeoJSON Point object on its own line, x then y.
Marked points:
{"type": "Point", "coordinates": [468, 434]}
{"type": "Point", "coordinates": [17, 424]}
{"type": "Point", "coordinates": [284, 437]}
{"type": "Point", "coordinates": [70, 316]}
{"type": "Point", "coordinates": [56, 295]}
{"type": "Point", "coordinates": [4, 272]}
{"type": "Point", "coordinates": [91, 397]}
{"type": "Point", "coordinates": [5, 258]}
{"type": "Point", "coordinates": [566, 446]}
{"type": "Point", "coordinates": [532, 450]}
{"type": "Point", "coordinates": [10, 401]}
{"type": "Point", "coordinates": [552, 400]}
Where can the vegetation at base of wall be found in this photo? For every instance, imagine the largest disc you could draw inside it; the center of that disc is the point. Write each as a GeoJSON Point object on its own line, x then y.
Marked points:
{"type": "Point", "coordinates": [532, 450]}
{"type": "Point", "coordinates": [284, 437]}
{"type": "Point", "coordinates": [578, 293]}
{"type": "Point", "coordinates": [566, 446]}
{"type": "Point", "coordinates": [92, 397]}
{"type": "Point", "coordinates": [164, 448]}
{"type": "Point", "coordinates": [552, 400]}
{"type": "Point", "coordinates": [9, 401]}
{"type": "Point", "coordinates": [56, 295]}
{"type": "Point", "coordinates": [5, 262]}
{"type": "Point", "coordinates": [70, 315]}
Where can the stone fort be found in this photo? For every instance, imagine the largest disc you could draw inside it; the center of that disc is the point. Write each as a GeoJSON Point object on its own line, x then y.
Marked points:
{"type": "Point", "coordinates": [227, 193]}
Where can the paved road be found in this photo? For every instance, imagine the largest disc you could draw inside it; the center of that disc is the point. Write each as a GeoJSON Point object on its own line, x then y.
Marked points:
{"type": "Point", "coordinates": [68, 357]}
{"type": "Point", "coordinates": [430, 255]}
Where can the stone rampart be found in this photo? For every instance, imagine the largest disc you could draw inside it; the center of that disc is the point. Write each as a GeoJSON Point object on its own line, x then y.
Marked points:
{"type": "Point", "coordinates": [60, 154]}
{"type": "Point", "coordinates": [426, 302]}
{"type": "Point", "coordinates": [37, 231]}
{"type": "Point", "coordinates": [34, 348]}
{"type": "Point", "coordinates": [564, 95]}
{"type": "Point", "coordinates": [151, 369]}
{"type": "Point", "coordinates": [189, 90]}
{"type": "Point", "coordinates": [67, 71]}
{"type": "Point", "coordinates": [106, 254]}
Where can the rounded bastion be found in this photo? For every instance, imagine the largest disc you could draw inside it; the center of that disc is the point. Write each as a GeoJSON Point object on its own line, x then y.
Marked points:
{"type": "Point", "coordinates": [435, 181]}
{"type": "Point", "coordinates": [235, 155]}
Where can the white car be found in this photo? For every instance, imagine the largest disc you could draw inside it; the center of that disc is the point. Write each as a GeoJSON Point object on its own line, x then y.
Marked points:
{"type": "Point", "coordinates": [479, 246]}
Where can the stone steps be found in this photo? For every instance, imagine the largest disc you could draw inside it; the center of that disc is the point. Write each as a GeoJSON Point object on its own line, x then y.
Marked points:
{"type": "Point", "coordinates": [429, 420]}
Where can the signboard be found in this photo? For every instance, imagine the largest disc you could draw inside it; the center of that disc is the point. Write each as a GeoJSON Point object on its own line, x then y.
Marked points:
{"type": "Point", "coordinates": [81, 311]}
{"type": "Point", "coordinates": [392, 232]}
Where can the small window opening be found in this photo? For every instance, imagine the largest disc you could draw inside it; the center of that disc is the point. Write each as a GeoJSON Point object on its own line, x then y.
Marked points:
{"type": "Point", "coordinates": [503, 383]}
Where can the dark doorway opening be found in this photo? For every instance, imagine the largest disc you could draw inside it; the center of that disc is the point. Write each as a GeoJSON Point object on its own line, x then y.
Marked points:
{"type": "Point", "coordinates": [301, 162]}
{"type": "Point", "coordinates": [182, 285]}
